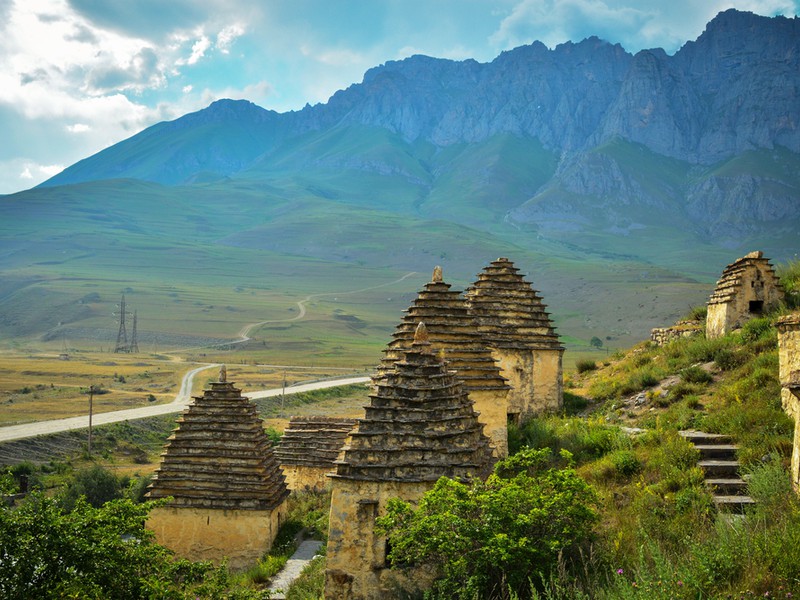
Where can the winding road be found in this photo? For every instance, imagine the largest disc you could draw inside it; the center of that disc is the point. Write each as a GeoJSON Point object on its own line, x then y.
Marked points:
{"type": "Point", "coordinates": [182, 400]}
{"type": "Point", "coordinates": [184, 396]}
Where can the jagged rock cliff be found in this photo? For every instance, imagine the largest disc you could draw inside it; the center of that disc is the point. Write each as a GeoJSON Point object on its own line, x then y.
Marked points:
{"type": "Point", "coordinates": [614, 131]}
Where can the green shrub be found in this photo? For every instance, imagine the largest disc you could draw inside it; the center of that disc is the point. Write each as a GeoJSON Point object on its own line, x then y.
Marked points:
{"type": "Point", "coordinates": [696, 375]}
{"type": "Point", "coordinates": [573, 403]}
{"type": "Point", "coordinates": [625, 463]}
{"type": "Point", "coordinates": [727, 359]}
{"type": "Point", "coordinates": [697, 313]}
{"type": "Point", "coordinates": [584, 365]}
{"type": "Point", "coordinates": [501, 534]}
{"type": "Point", "coordinates": [757, 329]}
{"type": "Point", "coordinates": [682, 389]}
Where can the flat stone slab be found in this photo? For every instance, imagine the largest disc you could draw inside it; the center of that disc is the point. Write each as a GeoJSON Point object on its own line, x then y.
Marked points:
{"type": "Point", "coordinates": [307, 550]}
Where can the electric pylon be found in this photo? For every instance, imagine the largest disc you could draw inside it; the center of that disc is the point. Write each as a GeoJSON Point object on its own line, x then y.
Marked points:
{"type": "Point", "coordinates": [134, 347]}
{"type": "Point", "coordinates": [122, 335]}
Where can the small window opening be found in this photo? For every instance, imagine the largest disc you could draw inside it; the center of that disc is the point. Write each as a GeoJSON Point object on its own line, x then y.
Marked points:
{"type": "Point", "coordinates": [756, 307]}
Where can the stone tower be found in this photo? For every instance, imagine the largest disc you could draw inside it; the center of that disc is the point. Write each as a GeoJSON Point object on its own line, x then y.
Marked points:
{"type": "Point", "coordinates": [748, 288]}
{"type": "Point", "coordinates": [419, 426]}
{"type": "Point", "coordinates": [454, 332]}
{"type": "Point", "coordinates": [308, 449]}
{"type": "Point", "coordinates": [789, 373]}
{"type": "Point", "coordinates": [513, 322]}
{"type": "Point", "coordinates": [227, 488]}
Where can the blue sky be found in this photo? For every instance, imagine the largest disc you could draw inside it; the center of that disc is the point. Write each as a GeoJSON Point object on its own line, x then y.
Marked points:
{"type": "Point", "coordinates": [77, 76]}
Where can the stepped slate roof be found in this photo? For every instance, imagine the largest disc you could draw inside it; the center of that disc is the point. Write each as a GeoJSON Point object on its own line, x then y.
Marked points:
{"type": "Point", "coordinates": [313, 441]}
{"type": "Point", "coordinates": [420, 425]}
{"type": "Point", "coordinates": [451, 329]}
{"type": "Point", "coordinates": [510, 312]}
{"type": "Point", "coordinates": [730, 282]}
{"type": "Point", "coordinates": [219, 456]}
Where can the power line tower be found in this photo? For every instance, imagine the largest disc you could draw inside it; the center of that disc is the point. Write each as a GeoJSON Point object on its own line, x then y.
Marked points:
{"type": "Point", "coordinates": [122, 335]}
{"type": "Point", "coordinates": [134, 347]}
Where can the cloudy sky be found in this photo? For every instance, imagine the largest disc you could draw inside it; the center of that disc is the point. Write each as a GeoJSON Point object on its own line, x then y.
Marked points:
{"type": "Point", "coordinates": [79, 75]}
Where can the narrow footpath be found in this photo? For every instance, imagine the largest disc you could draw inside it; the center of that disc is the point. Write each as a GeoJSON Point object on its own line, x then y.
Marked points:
{"type": "Point", "coordinates": [294, 566]}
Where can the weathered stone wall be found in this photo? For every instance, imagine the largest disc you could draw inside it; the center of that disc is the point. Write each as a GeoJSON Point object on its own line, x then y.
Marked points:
{"type": "Point", "coordinates": [536, 381]}
{"type": "Point", "coordinates": [661, 336]}
{"type": "Point", "coordinates": [548, 381]}
{"type": "Point", "coordinates": [301, 478]}
{"type": "Point", "coordinates": [748, 287]}
{"type": "Point", "coordinates": [491, 404]}
{"type": "Point", "coordinates": [789, 373]}
{"type": "Point", "coordinates": [356, 557]}
{"type": "Point", "coordinates": [241, 536]}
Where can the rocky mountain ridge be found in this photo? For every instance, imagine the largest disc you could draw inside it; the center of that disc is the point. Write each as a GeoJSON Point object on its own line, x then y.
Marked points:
{"type": "Point", "coordinates": [649, 131]}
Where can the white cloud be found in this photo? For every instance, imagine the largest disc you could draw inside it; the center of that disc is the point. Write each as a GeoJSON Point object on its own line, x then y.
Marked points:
{"type": "Point", "coordinates": [187, 88]}
{"type": "Point", "coordinates": [227, 36]}
{"type": "Point", "coordinates": [78, 128]}
{"type": "Point", "coordinates": [199, 50]}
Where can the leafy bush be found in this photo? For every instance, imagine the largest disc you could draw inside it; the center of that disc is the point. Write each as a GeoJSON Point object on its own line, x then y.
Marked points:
{"type": "Point", "coordinates": [501, 534]}
{"type": "Point", "coordinates": [758, 329]}
{"type": "Point", "coordinates": [583, 365]}
{"type": "Point", "coordinates": [96, 553]}
{"type": "Point", "coordinates": [727, 359]}
{"type": "Point", "coordinates": [789, 274]}
{"type": "Point", "coordinates": [696, 375]}
{"type": "Point", "coordinates": [625, 463]}
{"type": "Point", "coordinates": [96, 484]}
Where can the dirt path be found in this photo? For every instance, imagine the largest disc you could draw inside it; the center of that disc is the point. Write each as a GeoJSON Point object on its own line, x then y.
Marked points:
{"type": "Point", "coordinates": [244, 332]}
{"type": "Point", "coordinates": [294, 566]}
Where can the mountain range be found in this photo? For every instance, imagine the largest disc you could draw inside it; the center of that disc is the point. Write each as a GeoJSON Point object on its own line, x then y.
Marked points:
{"type": "Point", "coordinates": [585, 154]}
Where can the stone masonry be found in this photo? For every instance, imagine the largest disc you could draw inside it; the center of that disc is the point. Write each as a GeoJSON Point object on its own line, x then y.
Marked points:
{"type": "Point", "coordinates": [789, 373]}
{"type": "Point", "coordinates": [227, 487]}
{"type": "Point", "coordinates": [661, 336]}
{"type": "Point", "coordinates": [513, 322]}
{"type": "Point", "coordinates": [308, 448]}
{"type": "Point", "coordinates": [454, 332]}
{"type": "Point", "coordinates": [420, 425]}
{"type": "Point", "coordinates": [748, 288]}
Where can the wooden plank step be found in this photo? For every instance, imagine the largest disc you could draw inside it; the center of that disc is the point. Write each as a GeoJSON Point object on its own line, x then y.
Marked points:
{"type": "Point", "coordinates": [733, 504]}
{"type": "Point", "coordinates": [719, 469]}
{"type": "Point", "coordinates": [700, 437]}
{"type": "Point", "coordinates": [717, 451]}
{"type": "Point", "coordinates": [734, 486]}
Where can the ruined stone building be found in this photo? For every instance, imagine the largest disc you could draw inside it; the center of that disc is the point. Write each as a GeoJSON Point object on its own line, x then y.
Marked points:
{"type": "Point", "coordinates": [789, 373]}
{"type": "Point", "coordinates": [453, 331]}
{"type": "Point", "coordinates": [308, 448]}
{"type": "Point", "coordinates": [227, 487]}
{"type": "Point", "coordinates": [748, 288]}
{"type": "Point", "coordinates": [513, 322]}
{"type": "Point", "coordinates": [419, 426]}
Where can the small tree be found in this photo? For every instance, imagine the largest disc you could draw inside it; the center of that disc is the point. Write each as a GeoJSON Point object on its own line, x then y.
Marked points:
{"type": "Point", "coordinates": [96, 484]}
{"type": "Point", "coordinates": [493, 539]}
{"type": "Point", "coordinates": [596, 342]}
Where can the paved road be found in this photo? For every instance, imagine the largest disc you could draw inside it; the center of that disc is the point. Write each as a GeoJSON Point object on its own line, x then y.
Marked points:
{"type": "Point", "coordinates": [17, 432]}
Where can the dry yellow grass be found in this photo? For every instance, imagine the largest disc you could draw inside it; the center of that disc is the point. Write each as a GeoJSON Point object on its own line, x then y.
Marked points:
{"type": "Point", "coordinates": [36, 387]}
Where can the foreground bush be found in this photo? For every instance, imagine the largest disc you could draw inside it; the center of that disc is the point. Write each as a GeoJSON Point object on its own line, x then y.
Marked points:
{"type": "Point", "coordinates": [490, 540]}
{"type": "Point", "coordinates": [46, 552]}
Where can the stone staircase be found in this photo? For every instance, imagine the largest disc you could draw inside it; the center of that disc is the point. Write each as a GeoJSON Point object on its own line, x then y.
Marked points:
{"type": "Point", "coordinates": [721, 468]}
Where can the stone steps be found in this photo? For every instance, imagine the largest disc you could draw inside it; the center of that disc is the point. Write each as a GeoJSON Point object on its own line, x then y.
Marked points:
{"type": "Point", "coordinates": [721, 469]}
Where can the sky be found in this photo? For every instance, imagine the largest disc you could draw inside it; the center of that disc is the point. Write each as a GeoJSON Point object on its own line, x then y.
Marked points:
{"type": "Point", "coordinates": [77, 76]}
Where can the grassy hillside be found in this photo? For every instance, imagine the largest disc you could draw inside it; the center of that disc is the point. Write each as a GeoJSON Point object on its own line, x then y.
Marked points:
{"type": "Point", "coordinates": [202, 262]}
